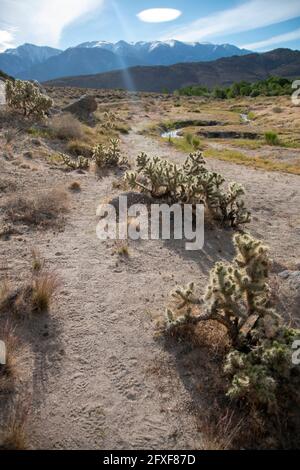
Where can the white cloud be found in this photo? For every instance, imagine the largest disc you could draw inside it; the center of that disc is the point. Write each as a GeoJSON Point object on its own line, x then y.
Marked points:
{"type": "Point", "coordinates": [273, 41]}
{"type": "Point", "coordinates": [248, 16]}
{"type": "Point", "coordinates": [6, 40]}
{"type": "Point", "coordinates": [159, 15]}
{"type": "Point", "coordinates": [42, 21]}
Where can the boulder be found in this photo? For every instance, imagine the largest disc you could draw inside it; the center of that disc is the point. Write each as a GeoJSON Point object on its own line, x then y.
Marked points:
{"type": "Point", "coordinates": [83, 107]}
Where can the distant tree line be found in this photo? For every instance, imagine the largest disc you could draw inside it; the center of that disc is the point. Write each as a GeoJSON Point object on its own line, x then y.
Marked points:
{"type": "Point", "coordinates": [273, 86]}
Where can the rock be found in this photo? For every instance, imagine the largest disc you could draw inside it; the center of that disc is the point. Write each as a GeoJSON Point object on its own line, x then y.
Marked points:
{"type": "Point", "coordinates": [28, 155]}
{"type": "Point", "coordinates": [284, 274]}
{"type": "Point", "coordinates": [83, 107]}
{"type": "Point", "coordinates": [293, 278]}
{"type": "Point", "coordinates": [36, 142]}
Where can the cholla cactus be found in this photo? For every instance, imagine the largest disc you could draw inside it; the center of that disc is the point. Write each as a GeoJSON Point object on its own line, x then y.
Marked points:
{"type": "Point", "coordinates": [190, 183]}
{"type": "Point", "coordinates": [237, 293]}
{"type": "Point", "coordinates": [81, 163]}
{"type": "Point", "coordinates": [237, 297]}
{"type": "Point", "coordinates": [26, 97]}
{"type": "Point", "coordinates": [108, 156]}
{"type": "Point", "coordinates": [258, 375]}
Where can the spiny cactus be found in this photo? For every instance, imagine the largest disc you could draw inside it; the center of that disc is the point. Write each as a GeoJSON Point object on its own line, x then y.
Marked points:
{"type": "Point", "coordinates": [108, 156]}
{"type": "Point", "coordinates": [236, 293]}
{"type": "Point", "coordinates": [258, 374]}
{"type": "Point", "coordinates": [81, 163]}
{"type": "Point", "coordinates": [26, 97]}
{"type": "Point", "coordinates": [190, 183]}
{"type": "Point", "coordinates": [237, 297]}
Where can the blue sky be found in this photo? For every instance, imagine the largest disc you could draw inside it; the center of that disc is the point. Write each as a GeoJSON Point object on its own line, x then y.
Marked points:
{"type": "Point", "coordinates": [255, 24]}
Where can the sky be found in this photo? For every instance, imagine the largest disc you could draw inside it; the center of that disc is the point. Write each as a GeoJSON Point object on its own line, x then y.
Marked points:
{"type": "Point", "coordinates": [257, 25]}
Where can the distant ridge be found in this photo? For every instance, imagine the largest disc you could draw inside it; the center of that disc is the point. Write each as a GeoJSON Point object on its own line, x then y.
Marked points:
{"type": "Point", "coordinates": [252, 67]}
{"type": "Point", "coordinates": [44, 63]}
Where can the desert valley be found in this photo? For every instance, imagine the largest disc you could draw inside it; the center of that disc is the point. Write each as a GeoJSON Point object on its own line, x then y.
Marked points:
{"type": "Point", "coordinates": [149, 230]}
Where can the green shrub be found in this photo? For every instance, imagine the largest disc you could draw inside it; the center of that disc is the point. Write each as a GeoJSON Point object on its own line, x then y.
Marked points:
{"type": "Point", "coordinates": [271, 138]}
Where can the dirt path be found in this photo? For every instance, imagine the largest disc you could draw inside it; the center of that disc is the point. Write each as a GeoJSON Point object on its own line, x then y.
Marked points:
{"type": "Point", "coordinates": [96, 366]}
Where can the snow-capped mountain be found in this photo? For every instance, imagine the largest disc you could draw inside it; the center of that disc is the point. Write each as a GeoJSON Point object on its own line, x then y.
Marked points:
{"type": "Point", "coordinates": [12, 61]}
{"type": "Point", "coordinates": [45, 63]}
{"type": "Point", "coordinates": [167, 52]}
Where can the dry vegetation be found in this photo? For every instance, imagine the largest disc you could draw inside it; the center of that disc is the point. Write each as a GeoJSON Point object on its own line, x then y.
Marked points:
{"type": "Point", "coordinates": [84, 312]}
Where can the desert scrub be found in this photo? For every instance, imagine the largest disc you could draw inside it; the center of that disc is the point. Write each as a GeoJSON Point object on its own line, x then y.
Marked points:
{"type": "Point", "coordinates": [32, 297]}
{"type": "Point", "coordinates": [259, 364]}
{"type": "Point", "coordinates": [191, 183]}
{"type": "Point", "coordinates": [66, 127]}
{"type": "Point", "coordinates": [25, 97]}
{"type": "Point", "coordinates": [271, 138]}
{"type": "Point", "coordinates": [79, 148]}
{"type": "Point", "coordinates": [108, 155]}
{"type": "Point", "coordinates": [44, 209]}
{"type": "Point", "coordinates": [75, 187]}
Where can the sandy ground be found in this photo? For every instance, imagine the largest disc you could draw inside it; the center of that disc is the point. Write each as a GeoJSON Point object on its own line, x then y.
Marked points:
{"type": "Point", "coordinates": [100, 377]}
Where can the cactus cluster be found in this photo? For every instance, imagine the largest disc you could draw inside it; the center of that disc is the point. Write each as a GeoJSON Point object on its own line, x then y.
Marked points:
{"type": "Point", "coordinates": [236, 294]}
{"type": "Point", "coordinates": [26, 97]}
{"type": "Point", "coordinates": [81, 163]}
{"type": "Point", "coordinates": [108, 155]}
{"type": "Point", "coordinates": [265, 370]}
{"type": "Point", "coordinates": [238, 297]}
{"type": "Point", "coordinates": [191, 183]}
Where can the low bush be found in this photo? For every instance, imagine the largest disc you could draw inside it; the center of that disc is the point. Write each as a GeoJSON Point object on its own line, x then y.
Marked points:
{"type": "Point", "coordinates": [66, 127]}
{"type": "Point", "coordinates": [271, 138]}
{"type": "Point", "coordinates": [44, 209]}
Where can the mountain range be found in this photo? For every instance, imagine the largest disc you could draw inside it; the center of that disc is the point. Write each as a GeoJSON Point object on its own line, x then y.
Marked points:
{"type": "Point", "coordinates": [32, 62]}
{"type": "Point", "coordinates": [222, 72]}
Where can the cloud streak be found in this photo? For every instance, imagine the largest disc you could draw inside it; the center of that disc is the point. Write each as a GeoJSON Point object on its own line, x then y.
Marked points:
{"type": "Point", "coordinates": [248, 16]}
{"type": "Point", "coordinates": [42, 21]}
{"type": "Point", "coordinates": [273, 41]}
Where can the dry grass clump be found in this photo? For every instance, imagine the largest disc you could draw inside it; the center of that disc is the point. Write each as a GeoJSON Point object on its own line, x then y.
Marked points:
{"type": "Point", "coordinates": [37, 261]}
{"type": "Point", "coordinates": [121, 248]}
{"type": "Point", "coordinates": [75, 186]}
{"type": "Point", "coordinates": [66, 127]}
{"type": "Point", "coordinates": [77, 148]}
{"type": "Point", "coordinates": [44, 286]}
{"type": "Point", "coordinates": [13, 436]}
{"type": "Point", "coordinates": [32, 297]}
{"type": "Point", "coordinates": [43, 209]}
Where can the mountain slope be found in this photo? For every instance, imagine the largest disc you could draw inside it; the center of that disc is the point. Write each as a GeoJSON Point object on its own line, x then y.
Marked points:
{"type": "Point", "coordinates": [252, 67]}
{"type": "Point", "coordinates": [167, 52]}
{"type": "Point", "coordinates": [42, 63]}
{"type": "Point", "coordinates": [75, 61]}
{"type": "Point", "coordinates": [13, 61]}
